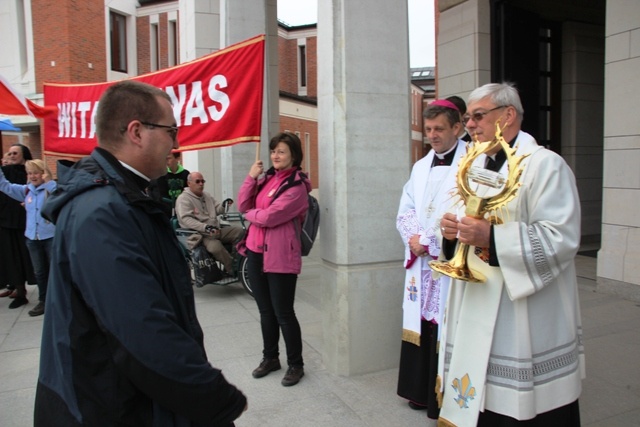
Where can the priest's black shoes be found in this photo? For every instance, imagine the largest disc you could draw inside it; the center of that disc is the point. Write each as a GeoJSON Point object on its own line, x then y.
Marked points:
{"type": "Point", "coordinates": [18, 302]}
{"type": "Point", "coordinates": [416, 407]}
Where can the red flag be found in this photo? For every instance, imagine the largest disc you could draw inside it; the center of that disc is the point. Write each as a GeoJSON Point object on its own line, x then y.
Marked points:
{"type": "Point", "coordinates": [217, 101]}
{"type": "Point", "coordinates": [13, 103]}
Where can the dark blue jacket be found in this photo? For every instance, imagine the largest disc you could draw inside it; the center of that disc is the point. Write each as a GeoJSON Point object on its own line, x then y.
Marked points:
{"type": "Point", "coordinates": [121, 344]}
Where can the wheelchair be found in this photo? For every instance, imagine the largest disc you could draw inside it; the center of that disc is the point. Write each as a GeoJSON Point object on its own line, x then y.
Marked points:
{"type": "Point", "coordinates": [239, 273]}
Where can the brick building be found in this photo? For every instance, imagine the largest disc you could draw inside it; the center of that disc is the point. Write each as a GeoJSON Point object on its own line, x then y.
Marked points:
{"type": "Point", "coordinates": [124, 40]}
{"type": "Point", "coordinates": [298, 103]}
{"type": "Point", "coordinates": [71, 42]}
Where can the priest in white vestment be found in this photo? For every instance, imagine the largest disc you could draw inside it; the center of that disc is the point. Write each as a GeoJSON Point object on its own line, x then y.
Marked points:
{"type": "Point", "coordinates": [512, 347]}
{"type": "Point", "coordinates": [425, 198]}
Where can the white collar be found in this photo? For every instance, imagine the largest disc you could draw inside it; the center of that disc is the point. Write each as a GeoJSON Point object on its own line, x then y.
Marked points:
{"type": "Point", "coordinates": [441, 156]}
{"type": "Point", "coordinates": [133, 170]}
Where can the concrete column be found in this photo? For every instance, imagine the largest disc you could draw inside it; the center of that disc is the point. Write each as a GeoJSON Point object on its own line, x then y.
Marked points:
{"type": "Point", "coordinates": [211, 25]}
{"type": "Point", "coordinates": [619, 257]}
{"type": "Point", "coordinates": [463, 47]}
{"type": "Point", "coordinates": [364, 152]}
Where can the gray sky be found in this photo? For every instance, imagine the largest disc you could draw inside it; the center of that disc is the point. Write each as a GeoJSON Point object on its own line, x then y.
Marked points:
{"type": "Point", "coordinates": [421, 25]}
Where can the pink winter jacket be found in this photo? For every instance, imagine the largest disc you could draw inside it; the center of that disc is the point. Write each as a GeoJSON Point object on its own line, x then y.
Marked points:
{"type": "Point", "coordinates": [281, 249]}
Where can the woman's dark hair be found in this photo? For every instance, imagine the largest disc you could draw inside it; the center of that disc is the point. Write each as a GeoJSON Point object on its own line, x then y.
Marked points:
{"type": "Point", "coordinates": [26, 153]}
{"type": "Point", "coordinates": [292, 141]}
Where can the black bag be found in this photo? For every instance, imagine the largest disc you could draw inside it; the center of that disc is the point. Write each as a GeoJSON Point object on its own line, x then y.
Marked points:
{"type": "Point", "coordinates": [310, 226]}
{"type": "Point", "coordinates": [309, 229]}
{"type": "Point", "coordinates": [205, 268]}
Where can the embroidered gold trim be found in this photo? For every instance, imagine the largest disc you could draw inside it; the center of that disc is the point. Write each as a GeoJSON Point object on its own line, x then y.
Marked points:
{"type": "Point", "coordinates": [411, 337]}
{"type": "Point", "coordinates": [443, 422]}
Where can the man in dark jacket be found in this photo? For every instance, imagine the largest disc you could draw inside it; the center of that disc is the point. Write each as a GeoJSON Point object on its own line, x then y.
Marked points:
{"type": "Point", "coordinates": [121, 343]}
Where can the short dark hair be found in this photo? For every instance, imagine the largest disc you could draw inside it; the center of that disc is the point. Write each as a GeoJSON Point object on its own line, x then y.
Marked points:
{"type": "Point", "coordinates": [433, 111]}
{"type": "Point", "coordinates": [26, 153]}
{"type": "Point", "coordinates": [123, 102]}
{"type": "Point", "coordinates": [458, 102]}
{"type": "Point", "coordinates": [292, 141]}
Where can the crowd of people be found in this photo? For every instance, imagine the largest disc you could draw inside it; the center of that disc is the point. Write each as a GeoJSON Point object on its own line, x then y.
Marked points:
{"type": "Point", "coordinates": [507, 352]}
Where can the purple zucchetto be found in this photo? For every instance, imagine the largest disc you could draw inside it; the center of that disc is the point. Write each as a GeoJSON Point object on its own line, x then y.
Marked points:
{"type": "Point", "coordinates": [444, 103]}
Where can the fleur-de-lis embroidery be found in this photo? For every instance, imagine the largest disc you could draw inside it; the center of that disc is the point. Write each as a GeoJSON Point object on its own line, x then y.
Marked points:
{"type": "Point", "coordinates": [413, 291]}
{"type": "Point", "coordinates": [466, 392]}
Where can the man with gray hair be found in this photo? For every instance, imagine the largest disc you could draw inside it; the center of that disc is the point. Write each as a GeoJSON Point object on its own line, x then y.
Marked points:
{"type": "Point", "coordinates": [513, 345]}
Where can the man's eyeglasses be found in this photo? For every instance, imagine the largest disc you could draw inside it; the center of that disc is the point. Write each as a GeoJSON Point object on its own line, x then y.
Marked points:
{"type": "Point", "coordinates": [199, 181]}
{"type": "Point", "coordinates": [171, 130]}
{"type": "Point", "coordinates": [477, 116]}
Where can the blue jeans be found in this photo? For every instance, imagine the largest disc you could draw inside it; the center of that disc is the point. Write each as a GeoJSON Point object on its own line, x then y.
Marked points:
{"type": "Point", "coordinates": [275, 294]}
{"type": "Point", "coordinates": [40, 253]}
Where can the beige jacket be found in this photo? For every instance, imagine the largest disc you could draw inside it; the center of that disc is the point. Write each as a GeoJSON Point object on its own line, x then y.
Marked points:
{"type": "Point", "coordinates": [197, 212]}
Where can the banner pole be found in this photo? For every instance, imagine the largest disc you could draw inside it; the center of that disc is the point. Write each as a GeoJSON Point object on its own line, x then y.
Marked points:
{"type": "Point", "coordinates": [257, 151]}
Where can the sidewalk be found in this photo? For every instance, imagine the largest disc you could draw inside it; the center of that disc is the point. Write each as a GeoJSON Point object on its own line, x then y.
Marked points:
{"type": "Point", "coordinates": [229, 317]}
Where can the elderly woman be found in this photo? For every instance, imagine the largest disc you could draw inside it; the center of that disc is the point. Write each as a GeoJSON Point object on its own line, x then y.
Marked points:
{"type": "Point", "coordinates": [39, 232]}
{"type": "Point", "coordinates": [15, 264]}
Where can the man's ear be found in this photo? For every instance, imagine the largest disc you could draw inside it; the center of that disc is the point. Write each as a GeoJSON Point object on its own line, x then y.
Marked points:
{"type": "Point", "coordinates": [511, 115]}
{"type": "Point", "coordinates": [133, 132]}
{"type": "Point", "coordinates": [457, 128]}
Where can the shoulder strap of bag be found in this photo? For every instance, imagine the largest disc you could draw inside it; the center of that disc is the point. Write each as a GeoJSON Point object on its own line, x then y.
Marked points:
{"type": "Point", "coordinates": [290, 182]}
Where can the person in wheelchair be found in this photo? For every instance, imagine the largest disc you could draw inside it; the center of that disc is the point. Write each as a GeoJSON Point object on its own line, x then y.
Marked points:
{"type": "Point", "coordinates": [198, 210]}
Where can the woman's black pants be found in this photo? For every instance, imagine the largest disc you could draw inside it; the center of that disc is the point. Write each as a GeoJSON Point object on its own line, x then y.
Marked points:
{"type": "Point", "coordinates": [275, 294]}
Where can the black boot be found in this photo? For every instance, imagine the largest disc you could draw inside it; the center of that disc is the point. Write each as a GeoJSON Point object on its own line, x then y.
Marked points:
{"type": "Point", "coordinates": [266, 366]}
{"type": "Point", "coordinates": [19, 301]}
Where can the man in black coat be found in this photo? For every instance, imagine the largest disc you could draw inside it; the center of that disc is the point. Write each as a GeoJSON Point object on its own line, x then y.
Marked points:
{"type": "Point", "coordinates": [121, 342]}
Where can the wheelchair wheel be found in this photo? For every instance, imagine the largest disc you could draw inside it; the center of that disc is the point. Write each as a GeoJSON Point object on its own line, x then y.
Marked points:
{"type": "Point", "coordinates": [243, 274]}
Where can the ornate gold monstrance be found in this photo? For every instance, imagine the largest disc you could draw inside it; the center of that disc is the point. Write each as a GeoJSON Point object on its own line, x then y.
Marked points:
{"type": "Point", "coordinates": [477, 206]}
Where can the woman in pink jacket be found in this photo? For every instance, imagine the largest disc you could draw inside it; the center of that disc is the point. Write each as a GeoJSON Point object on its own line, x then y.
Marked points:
{"type": "Point", "coordinates": [275, 205]}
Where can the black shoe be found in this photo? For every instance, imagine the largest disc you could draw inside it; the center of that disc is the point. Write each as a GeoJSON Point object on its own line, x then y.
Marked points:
{"type": "Point", "coordinates": [293, 375]}
{"type": "Point", "coordinates": [18, 302]}
{"type": "Point", "coordinates": [266, 366]}
{"type": "Point", "coordinates": [38, 310]}
{"type": "Point", "coordinates": [416, 407]}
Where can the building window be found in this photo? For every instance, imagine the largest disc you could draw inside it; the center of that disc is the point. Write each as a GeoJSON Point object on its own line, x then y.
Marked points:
{"type": "Point", "coordinates": [118, 38]}
{"type": "Point", "coordinates": [154, 47]}
{"type": "Point", "coordinates": [173, 43]}
{"type": "Point", "coordinates": [302, 65]}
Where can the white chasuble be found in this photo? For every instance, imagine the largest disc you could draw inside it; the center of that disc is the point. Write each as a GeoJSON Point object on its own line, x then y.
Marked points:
{"type": "Point", "coordinates": [513, 345]}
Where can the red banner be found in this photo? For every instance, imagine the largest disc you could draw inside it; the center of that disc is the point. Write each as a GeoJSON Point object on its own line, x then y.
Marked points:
{"type": "Point", "coordinates": [217, 101]}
